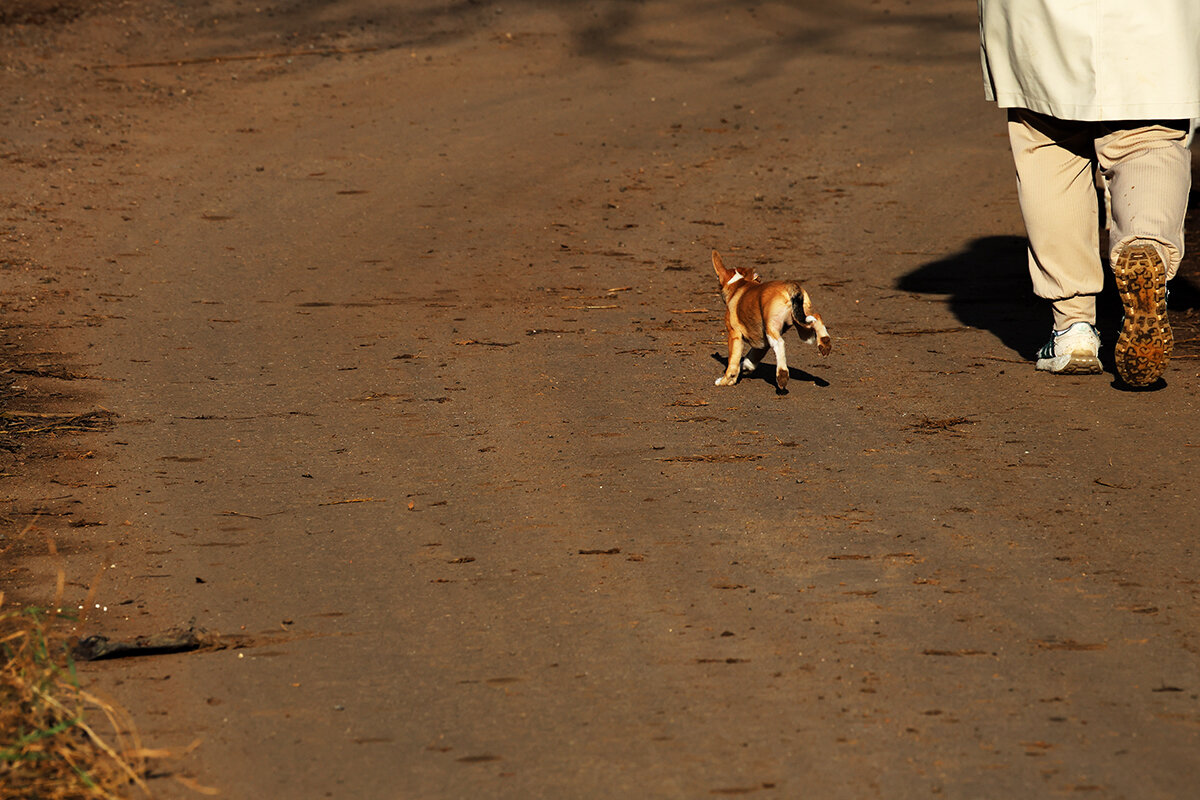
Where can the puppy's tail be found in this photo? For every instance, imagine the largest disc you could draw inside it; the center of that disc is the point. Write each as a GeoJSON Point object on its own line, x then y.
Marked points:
{"type": "Point", "coordinates": [807, 321]}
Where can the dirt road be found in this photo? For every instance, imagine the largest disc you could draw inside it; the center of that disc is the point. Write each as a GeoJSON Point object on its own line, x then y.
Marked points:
{"type": "Point", "coordinates": [405, 314]}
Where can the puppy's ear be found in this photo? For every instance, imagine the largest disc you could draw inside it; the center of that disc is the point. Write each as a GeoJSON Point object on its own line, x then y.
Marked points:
{"type": "Point", "coordinates": [723, 275]}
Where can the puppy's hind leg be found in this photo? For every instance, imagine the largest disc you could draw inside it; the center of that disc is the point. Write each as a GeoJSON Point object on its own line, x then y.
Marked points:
{"type": "Point", "coordinates": [824, 343]}
{"type": "Point", "coordinates": [809, 324]}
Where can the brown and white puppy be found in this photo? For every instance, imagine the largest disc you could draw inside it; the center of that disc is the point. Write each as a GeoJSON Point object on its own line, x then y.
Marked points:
{"type": "Point", "coordinates": [757, 314]}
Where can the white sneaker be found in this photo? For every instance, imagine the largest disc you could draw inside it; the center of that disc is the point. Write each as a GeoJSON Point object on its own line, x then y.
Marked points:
{"type": "Point", "coordinates": [1074, 351]}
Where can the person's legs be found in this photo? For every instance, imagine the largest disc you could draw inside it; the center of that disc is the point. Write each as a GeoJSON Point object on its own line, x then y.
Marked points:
{"type": "Point", "coordinates": [1057, 192]}
{"type": "Point", "coordinates": [1148, 169]}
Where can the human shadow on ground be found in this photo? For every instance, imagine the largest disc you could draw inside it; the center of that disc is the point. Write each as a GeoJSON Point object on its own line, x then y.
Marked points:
{"type": "Point", "coordinates": [988, 287]}
{"type": "Point", "coordinates": [765, 372]}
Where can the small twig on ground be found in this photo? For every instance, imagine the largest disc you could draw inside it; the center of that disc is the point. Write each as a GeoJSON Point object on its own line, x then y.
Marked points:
{"type": "Point", "coordinates": [187, 62]}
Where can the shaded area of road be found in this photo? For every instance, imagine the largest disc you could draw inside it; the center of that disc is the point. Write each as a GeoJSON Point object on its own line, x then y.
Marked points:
{"type": "Point", "coordinates": [413, 343]}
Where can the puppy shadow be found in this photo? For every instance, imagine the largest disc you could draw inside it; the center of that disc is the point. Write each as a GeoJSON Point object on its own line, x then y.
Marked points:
{"type": "Point", "coordinates": [766, 373]}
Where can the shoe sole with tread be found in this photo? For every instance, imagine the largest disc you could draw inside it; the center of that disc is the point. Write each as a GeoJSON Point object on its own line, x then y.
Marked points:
{"type": "Point", "coordinates": [1144, 345]}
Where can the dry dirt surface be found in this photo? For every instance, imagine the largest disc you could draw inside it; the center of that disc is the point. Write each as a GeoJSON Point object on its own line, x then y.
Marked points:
{"type": "Point", "coordinates": [377, 340]}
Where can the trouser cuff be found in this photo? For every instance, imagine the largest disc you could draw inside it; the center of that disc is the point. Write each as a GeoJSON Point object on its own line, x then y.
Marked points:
{"type": "Point", "coordinates": [1068, 311]}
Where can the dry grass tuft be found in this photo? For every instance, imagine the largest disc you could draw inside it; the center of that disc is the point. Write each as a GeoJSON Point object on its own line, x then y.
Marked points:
{"type": "Point", "coordinates": [58, 741]}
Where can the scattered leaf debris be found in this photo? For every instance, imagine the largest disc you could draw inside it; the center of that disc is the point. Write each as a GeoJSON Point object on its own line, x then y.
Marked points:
{"type": "Point", "coordinates": [1068, 644]}
{"type": "Point", "coordinates": [727, 458]}
{"type": "Point", "coordinates": [947, 424]}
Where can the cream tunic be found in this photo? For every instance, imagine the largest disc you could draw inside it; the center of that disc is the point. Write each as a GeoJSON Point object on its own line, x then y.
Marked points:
{"type": "Point", "coordinates": [1093, 59]}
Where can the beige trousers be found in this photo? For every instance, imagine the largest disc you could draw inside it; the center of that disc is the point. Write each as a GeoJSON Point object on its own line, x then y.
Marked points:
{"type": "Point", "coordinates": [1146, 168]}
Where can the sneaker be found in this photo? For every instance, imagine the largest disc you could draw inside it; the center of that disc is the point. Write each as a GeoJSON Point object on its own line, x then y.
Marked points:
{"type": "Point", "coordinates": [1074, 351]}
{"type": "Point", "coordinates": [1145, 343]}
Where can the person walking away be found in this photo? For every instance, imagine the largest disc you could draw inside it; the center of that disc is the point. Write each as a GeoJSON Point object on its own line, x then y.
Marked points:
{"type": "Point", "coordinates": [1108, 89]}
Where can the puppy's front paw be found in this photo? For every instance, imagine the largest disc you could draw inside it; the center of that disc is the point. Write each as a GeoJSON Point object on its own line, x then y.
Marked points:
{"type": "Point", "coordinates": [725, 380]}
